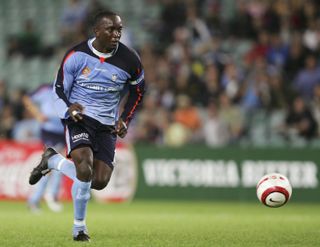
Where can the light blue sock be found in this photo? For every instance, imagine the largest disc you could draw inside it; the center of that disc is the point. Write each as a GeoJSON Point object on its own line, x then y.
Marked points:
{"type": "Point", "coordinates": [60, 163]}
{"type": "Point", "coordinates": [39, 190]}
{"type": "Point", "coordinates": [80, 196]}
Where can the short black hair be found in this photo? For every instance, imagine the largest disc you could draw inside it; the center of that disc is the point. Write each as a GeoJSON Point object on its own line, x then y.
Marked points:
{"type": "Point", "coordinates": [105, 13]}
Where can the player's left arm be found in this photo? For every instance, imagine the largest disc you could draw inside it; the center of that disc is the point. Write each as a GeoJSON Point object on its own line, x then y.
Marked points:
{"type": "Point", "coordinates": [136, 92]}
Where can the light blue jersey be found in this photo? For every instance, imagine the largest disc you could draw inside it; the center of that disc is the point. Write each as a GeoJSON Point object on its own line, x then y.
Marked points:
{"type": "Point", "coordinates": [97, 81]}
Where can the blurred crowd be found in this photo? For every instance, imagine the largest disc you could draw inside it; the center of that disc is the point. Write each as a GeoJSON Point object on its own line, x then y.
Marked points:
{"type": "Point", "coordinates": [219, 72]}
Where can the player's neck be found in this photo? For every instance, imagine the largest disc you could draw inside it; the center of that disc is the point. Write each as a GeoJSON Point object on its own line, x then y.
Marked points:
{"type": "Point", "coordinates": [101, 48]}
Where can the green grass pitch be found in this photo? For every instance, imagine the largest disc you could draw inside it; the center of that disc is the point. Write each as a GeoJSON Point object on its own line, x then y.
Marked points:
{"type": "Point", "coordinates": [160, 223]}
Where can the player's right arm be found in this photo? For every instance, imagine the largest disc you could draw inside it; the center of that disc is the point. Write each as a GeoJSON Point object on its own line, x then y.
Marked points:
{"type": "Point", "coordinates": [62, 88]}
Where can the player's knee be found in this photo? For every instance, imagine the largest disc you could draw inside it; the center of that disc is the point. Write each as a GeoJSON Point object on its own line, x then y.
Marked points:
{"type": "Point", "coordinates": [99, 184]}
{"type": "Point", "coordinates": [101, 176]}
{"type": "Point", "coordinates": [84, 171]}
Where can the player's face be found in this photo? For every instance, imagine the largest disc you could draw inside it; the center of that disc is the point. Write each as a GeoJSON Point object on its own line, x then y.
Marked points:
{"type": "Point", "coordinates": [108, 32]}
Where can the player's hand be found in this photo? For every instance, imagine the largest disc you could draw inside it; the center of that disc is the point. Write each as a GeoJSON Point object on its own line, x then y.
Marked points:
{"type": "Point", "coordinates": [75, 111]}
{"type": "Point", "coordinates": [121, 128]}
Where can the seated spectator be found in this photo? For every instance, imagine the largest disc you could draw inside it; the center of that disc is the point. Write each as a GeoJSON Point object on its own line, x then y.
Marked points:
{"type": "Point", "coordinates": [7, 122]}
{"type": "Point", "coordinates": [150, 122]}
{"type": "Point", "coordinates": [215, 129]}
{"type": "Point", "coordinates": [308, 78]}
{"type": "Point", "coordinates": [231, 81]}
{"type": "Point", "coordinates": [296, 57]}
{"type": "Point", "coordinates": [212, 84]}
{"type": "Point", "coordinates": [259, 49]}
{"type": "Point", "coordinates": [311, 37]}
{"type": "Point", "coordinates": [232, 117]}
{"type": "Point", "coordinates": [186, 123]}
{"type": "Point", "coordinates": [300, 120]}
{"type": "Point", "coordinates": [278, 51]}
{"type": "Point", "coordinates": [186, 113]}
{"type": "Point", "coordinates": [279, 93]}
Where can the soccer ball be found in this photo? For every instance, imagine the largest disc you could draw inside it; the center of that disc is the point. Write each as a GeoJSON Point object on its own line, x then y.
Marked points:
{"type": "Point", "coordinates": [274, 190]}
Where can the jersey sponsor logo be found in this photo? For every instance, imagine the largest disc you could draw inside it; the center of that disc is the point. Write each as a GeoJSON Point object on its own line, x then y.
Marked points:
{"type": "Point", "coordinates": [102, 70]}
{"type": "Point", "coordinates": [114, 77]}
{"type": "Point", "coordinates": [100, 88]}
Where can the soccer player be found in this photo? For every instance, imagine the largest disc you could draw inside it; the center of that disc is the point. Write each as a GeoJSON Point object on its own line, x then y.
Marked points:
{"type": "Point", "coordinates": [39, 105]}
{"type": "Point", "coordinates": [90, 83]}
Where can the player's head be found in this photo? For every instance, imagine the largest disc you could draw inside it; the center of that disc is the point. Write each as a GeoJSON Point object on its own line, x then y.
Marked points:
{"type": "Point", "coordinates": [107, 27]}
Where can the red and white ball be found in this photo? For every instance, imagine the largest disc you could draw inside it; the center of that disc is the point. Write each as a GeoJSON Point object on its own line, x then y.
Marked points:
{"type": "Point", "coordinates": [274, 190]}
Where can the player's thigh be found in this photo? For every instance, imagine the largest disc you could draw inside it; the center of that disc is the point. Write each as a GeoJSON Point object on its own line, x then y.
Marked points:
{"type": "Point", "coordinates": [103, 159]}
{"type": "Point", "coordinates": [106, 145]}
{"type": "Point", "coordinates": [101, 171]}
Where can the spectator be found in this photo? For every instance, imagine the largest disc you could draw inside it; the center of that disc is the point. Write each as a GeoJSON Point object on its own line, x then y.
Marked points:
{"type": "Point", "coordinates": [151, 121]}
{"type": "Point", "coordinates": [300, 120]}
{"type": "Point", "coordinates": [277, 53]}
{"type": "Point", "coordinates": [279, 93]}
{"type": "Point", "coordinates": [186, 114]}
{"type": "Point", "coordinates": [232, 117]}
{"type": "Point", "coordinates": [199, 31]}
{"type": "Point", "coordinates": [311, 36]}
{"type": "Point", "coordinates": [242, 23]}
{"type": "Point", "coordinates": [257, 53]}
{"type": "Point", "coordinates": [307, 78]}
{"type": "Point", "coordinates": [259, 48]}
{"type": "Point", "coordinates": [212, 84]}
{"type": "Point", "coordinates": [215, 130]}
{"type": "Point", "coordinates": [231, 81]}
{"type": "Point", "coordinates": [296, 58]}
{"type": "Point", "coordinates": [7, 122]}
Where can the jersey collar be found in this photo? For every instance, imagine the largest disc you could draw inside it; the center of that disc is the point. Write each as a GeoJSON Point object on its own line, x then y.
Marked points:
{"type": "Point", "coordinates": [98, 53]}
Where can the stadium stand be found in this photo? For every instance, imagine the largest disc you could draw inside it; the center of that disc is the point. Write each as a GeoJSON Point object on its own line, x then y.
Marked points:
{"type": "Point", "coordinates": [249, 44]}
